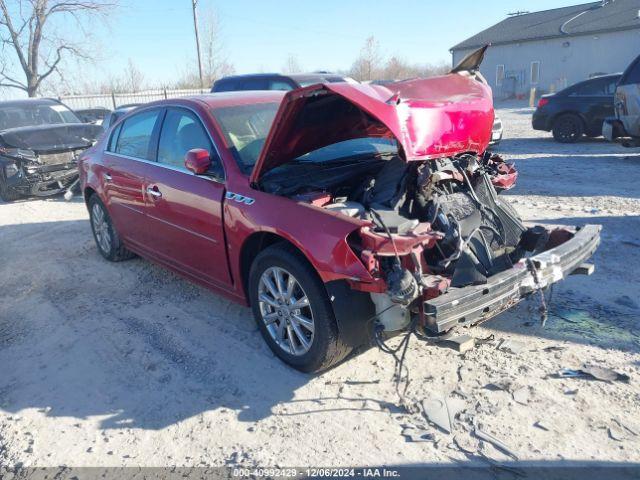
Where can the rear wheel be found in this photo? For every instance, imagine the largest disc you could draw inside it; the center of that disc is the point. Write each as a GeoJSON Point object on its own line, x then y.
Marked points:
{"type": "Point", "coordinates": [568, 128]}
{"type": "Point", "coordinates": [293, 312]}
{"type": "Point", "coordinates": [107, 240]}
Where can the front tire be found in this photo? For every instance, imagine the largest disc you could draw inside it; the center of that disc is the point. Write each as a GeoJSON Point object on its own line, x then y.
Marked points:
{"type": "Point", "coordinates": [293, 311]}
{"type": "Point", "coordinates": [568, 128]}
{"type": "Point", "coordinates": [104, 233]}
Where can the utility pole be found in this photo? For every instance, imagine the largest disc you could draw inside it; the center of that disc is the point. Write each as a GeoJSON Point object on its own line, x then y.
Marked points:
{"type": "Point", "coordinates": [195, 26]}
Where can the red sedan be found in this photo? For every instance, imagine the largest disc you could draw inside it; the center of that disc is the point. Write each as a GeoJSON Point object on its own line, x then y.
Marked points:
{"type": "Point", "coordinates": [340, 213]}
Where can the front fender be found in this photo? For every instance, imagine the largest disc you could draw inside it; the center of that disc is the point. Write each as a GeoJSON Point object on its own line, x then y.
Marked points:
{"type": "Point", "coordinates": [320, 235]}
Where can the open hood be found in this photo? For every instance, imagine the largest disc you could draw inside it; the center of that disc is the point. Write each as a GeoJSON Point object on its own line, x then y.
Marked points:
{"type": "Point", "coordinates": [429, 118]}
{"type": "Point", "coordinates": [51, 138]}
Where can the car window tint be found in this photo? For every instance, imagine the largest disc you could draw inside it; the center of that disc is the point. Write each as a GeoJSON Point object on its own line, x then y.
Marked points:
{"type": "Point", "coordinates": [225, 86]}
{"type": "Point", "coordinates": [255, 84]}
{"type": "Point", "coordinates": [114, 136]}
{"type": "Point", "coordinates": [181, 131]}
{"type": "Point", "coordinates": [245, 128]}
{"type": "Point", "coordinates": [595, 87]}
{"type": "Point", "coordinates": [135, 135]}
{"type": "Point", "coordinates": [610, 86]}
{"type": "Point", "coordinates": [279, 85]}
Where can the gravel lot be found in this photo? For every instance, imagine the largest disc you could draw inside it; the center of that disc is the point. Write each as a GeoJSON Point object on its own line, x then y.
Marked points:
{"type": "Point", "coordinates": [107, 364]}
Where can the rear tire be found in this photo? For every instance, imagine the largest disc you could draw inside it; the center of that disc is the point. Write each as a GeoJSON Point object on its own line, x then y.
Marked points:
{"type": "Point", "coordinates": [321, 346]}
{"type": "Point", "coordinates": [568, 128]}
{"type": "Point", "coordinates": [6, 193]}
{"type": "Point", "coordinates": [104, 233]}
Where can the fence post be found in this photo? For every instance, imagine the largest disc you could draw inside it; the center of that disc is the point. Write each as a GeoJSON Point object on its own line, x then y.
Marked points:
{"type": "Point", "coordinates": [113, 99]}
{"type": "Point", "coordinates": [165, 93]}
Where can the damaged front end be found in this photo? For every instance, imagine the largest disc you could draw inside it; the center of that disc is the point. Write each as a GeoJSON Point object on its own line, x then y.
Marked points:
{"type": "Point", "coordinates": [409, 161]}
{"type": "Point", "coordinates": [42, 161]}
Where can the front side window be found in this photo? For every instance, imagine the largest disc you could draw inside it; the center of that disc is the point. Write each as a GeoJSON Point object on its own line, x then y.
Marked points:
{"type": "Point", "coordinates": [245, 128]}
{"type": "Point", "coordinates": [182, 131]}
{"type": "Point", "coordinates": [632, 75]}
{"type": "Point", "coordinates": [136, 134]}
{"type": "Point", "coordinates": [30, 115]}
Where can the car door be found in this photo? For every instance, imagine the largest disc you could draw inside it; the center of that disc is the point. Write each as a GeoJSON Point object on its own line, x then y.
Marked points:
{"type": "Point", "coordinates": [589, 98]}
{"type": "Point", "coordinates": [627, 99]}
{"type": "Point", "coordinates": [184, 209]}
{"type": "Point", "coordinates": [129, 150]}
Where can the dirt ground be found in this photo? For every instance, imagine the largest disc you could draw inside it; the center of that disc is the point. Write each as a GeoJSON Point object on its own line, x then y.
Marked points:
{"type": "Point", "coordinates": [106, 364]}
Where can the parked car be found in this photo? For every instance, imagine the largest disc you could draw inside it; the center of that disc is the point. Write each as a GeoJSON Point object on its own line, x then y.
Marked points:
{"type": "Point", "coordinates": [40, 140]}
{"type": "Point", "coordinates": [328, 209]}
{"type": "Point", "coordinates": [577, 110]}
{"type": "Point", "coordinates": [92, 115]}
{"type": "Point", "coordinates": [274, 81]}
{"type": "Point", "coordinates": [117, 114]}
{"type": "Point", "coordinates": [625, 121]}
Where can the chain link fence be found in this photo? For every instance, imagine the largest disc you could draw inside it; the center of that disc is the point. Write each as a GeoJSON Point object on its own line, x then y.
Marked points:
{"type": "Point", "coordinates": [114, 100]}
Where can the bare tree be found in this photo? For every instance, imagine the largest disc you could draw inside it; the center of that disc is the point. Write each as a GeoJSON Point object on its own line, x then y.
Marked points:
{"type": "Point", "coordinates": [367, 65]}
{"type": "Point", "coordinates": [291, 64]}
{"type": "Point", "coordinates": [133, 77]}
{"type": "Point", "coordinates": [28, 30]}
{"type": "Point", "coordinates": [215, 63]}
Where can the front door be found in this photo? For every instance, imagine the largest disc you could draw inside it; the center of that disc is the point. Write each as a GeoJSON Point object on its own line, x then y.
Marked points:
{"type": "Point", "coordinates": [185, 210]}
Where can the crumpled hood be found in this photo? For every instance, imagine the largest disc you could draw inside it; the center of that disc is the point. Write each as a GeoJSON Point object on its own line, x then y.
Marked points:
{"type": "Point", "coordinates": [51, 138]}
{"type": "Point", "coordinates": [430, 118]}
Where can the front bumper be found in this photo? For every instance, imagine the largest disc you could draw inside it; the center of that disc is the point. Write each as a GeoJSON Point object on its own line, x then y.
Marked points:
{"type": "Point", "coordinates": [44, 180]}
{"type": "Point", "coordinates": [476, 303]}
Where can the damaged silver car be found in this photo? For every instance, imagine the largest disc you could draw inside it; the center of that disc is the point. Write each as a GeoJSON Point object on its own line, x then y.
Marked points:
{"type": "Point", "coordinates": [40, 141]}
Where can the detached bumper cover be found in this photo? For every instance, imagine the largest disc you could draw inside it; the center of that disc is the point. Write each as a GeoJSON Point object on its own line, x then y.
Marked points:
{"type": "Point", "coordinates": [476, 303]}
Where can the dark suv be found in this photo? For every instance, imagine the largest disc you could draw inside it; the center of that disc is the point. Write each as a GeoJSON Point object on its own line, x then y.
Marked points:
{"type": "Point", "coordinates": [274, 81]}
{"type": "Point", "coordinates": [577, 110]}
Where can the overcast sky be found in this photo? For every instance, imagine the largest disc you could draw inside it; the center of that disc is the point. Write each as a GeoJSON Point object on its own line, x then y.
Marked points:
{"type": "Point", "coordinates": [258, 35]}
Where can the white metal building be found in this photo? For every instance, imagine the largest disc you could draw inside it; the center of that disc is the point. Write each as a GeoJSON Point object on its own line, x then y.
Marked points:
{"type": "Point", "coordinates": [555, 48]}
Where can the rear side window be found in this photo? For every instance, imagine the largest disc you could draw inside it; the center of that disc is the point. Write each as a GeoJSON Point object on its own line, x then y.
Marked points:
{"type": "Point", "coordinates": [225, 86]}
{"type": "Point", "coordinates": [182, 131]}
{"type": "Point", "coordinates": [632, 75]}
{"type": "Point", "coordinates": [136, 134]}
{"type": "Point", "coordinates": [593, 87]}
{"type": "Point", "coordinates": [279, 85]}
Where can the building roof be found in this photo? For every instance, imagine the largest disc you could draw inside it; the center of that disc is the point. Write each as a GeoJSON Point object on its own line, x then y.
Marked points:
{"type": "Point", "coordinates": [587, 18]}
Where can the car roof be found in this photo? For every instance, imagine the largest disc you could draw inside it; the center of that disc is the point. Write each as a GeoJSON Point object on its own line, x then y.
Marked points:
{"type": "Point", "coordinates": [293, 76]}
{"type": "Point", "coordinates": [29, 101]}
{"type": "Point", "coordinates": [228, 99]}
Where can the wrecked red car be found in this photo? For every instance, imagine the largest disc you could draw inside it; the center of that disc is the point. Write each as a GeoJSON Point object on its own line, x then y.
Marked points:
{"type": "Point", "coordinates": [338, 212]}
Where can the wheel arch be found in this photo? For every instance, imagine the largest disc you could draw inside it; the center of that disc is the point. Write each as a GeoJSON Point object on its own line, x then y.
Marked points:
{"type": "Point", "coordinates": [87, 193]}
{"type": "Point", "coordinates": [256, 243]}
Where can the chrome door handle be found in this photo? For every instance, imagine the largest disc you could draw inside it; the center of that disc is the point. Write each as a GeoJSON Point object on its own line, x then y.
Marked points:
{"type": "Point", "coordinates": [154, 192]}
{"type": "Point", "coordinates": [107, 177]}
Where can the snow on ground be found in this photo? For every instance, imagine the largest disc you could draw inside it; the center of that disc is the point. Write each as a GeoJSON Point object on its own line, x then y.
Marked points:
{"type": "Point", "coordinates": [107, 364]}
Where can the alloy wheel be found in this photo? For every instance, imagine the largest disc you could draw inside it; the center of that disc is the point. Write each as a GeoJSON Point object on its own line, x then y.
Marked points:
{"type": "Point", "coordinates": [285, 311]}
{"type": "Point", "coordinates": [101, 227]}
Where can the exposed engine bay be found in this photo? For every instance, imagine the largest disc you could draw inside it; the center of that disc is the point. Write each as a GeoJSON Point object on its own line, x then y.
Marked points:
{"type": "Point", "coordinates": [430, 225]}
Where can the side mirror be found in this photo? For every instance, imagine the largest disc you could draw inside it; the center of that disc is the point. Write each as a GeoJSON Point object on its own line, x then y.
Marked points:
{"type": "Point", "coordinates": [197, 160]}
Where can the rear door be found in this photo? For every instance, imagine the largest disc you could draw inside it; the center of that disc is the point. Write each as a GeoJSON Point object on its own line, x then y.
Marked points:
{"type": "Point", "coordinates": [184, 210]}
{"type": "Point", "coordinates": [627, 101]}
{"type": "Point", "coordinates": [130, 148]}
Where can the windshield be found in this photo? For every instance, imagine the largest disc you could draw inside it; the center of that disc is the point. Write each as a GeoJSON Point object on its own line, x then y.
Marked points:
{"type": "Point", "coordinates": [357, 147]}
{"type": "Point", "coordinates": [246, 127]}
{"type": "Point", "coordinates": [29, 115]}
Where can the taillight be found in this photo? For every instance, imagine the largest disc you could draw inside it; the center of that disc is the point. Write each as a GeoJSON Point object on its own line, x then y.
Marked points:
{"type": "Point", "coordinates": [543, 101]}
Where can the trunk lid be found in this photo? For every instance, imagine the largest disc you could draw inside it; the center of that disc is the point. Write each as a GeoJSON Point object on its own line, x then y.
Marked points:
{"type": "Point", "coordinates": [51, 138]}
{"type": "Point", "coordinates": [429, 118]}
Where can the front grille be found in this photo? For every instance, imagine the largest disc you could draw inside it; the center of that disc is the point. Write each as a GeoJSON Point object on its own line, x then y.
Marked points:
{"type": "Point", "coordinates": [57, 158]}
